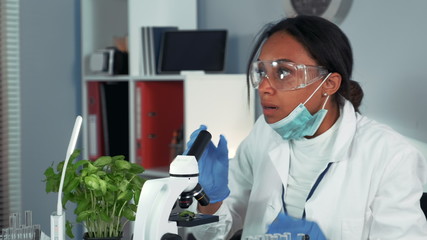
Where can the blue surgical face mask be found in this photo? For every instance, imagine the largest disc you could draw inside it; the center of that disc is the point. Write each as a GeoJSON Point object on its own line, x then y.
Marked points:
{"type": "Point", "coordinates": [300, 123]}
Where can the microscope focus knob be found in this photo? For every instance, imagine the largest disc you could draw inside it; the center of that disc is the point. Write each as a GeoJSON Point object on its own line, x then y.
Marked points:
{"type": "Point", "coordinates": [171, 236]}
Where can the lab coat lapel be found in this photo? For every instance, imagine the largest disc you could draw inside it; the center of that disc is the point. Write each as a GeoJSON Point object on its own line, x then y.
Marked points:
{"type": "Point", "coordinates": [279, 156]}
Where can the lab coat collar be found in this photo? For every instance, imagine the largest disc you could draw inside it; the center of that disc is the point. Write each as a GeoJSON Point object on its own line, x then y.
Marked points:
{"type": "Point", "coordinates": [279, 155]}
{"type": "Point", "coordinates": [346, 132]}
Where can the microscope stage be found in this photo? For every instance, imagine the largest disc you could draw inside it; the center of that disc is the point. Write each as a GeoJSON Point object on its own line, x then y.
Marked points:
{"type": "Point", "coordinates": [198, 219]}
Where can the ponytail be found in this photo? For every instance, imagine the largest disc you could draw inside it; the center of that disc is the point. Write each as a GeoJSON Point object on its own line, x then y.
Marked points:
{"type": "Point", "coordinates": [355, 95]}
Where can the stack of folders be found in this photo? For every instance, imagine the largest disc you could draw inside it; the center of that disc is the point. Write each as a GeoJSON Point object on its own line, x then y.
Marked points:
{"type": "Point", "coordinates": [151, 46]}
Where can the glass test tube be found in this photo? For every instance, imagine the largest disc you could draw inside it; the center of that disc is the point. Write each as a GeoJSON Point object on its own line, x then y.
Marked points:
{"type": "Point", "coordinates": [28, 218]}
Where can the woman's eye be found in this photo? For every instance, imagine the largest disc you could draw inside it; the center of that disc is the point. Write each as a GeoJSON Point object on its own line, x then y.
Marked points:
{"type": "Point", "coordinates": [261, 73]}
{"type": "Point", "coordinates": [283, 73]}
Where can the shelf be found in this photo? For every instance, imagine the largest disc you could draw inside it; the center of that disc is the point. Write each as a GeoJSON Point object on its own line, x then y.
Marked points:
{"type": "Point", "coordinates": [107, 78]}
{"type": "Point", "coordinates": [133, 78]}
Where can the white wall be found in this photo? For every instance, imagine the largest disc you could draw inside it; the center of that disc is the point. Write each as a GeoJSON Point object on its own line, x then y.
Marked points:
{"type": "Point", "coordinates": [389, 44]}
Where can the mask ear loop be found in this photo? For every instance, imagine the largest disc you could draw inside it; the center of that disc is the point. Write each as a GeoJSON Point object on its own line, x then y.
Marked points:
{"type": "Point", "coordinates": [318, 89]}
{"type": "Point", "coordinates": [324, 104]}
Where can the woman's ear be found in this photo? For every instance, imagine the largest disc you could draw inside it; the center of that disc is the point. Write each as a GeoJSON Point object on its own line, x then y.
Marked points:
{"type": "Point", "coordinates": [332, 84]}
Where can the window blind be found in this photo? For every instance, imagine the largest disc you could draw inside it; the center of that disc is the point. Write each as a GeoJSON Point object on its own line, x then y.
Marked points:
{"type": "Point", "coordinates": [10, 151]}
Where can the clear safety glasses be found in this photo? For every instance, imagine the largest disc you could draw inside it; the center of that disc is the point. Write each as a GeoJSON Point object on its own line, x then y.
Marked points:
{"type": "Point", "coordinates": [285, 75]}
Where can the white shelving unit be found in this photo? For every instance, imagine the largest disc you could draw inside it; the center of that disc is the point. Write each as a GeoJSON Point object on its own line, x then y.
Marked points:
{"type": "Point", "coordinates": [103, 20]}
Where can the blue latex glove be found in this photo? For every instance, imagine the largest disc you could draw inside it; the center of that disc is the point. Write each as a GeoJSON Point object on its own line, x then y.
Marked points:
{"type": "Point", "coordinates": [213, 167]}
{"type": "Point", "coordinates": [284, 223]}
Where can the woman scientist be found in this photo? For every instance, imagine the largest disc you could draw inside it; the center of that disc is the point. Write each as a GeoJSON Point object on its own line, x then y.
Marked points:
{"type": "Point", "coordinates": [312, 164]}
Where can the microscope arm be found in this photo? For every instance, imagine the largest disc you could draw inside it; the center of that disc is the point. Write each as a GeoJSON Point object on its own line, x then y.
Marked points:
{"type": "Point", "coordinates": [157, 199]}
{"type": "Point", "coordinates": [158, 196]}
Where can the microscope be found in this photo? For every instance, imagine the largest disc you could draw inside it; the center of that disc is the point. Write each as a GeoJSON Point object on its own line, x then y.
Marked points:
{"type": "Point", "coordinates": [154, 220]}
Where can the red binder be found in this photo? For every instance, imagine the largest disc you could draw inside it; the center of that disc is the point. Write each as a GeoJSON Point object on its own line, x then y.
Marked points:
{"type": "Point", "coordinates": [160, 112]}
{"type": "Point", "coordinates": [95, 129]}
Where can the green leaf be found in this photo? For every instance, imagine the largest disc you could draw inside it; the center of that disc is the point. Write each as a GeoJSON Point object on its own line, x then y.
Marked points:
{"type": "Point", "coordinates": [83, 205]}
{"type": "Point", "coordinates": [123, 185]}
{"type": "Point", "coordinates": [126, 196]}
{"type": "Point", "coordinates": [60, 166]}
{"type": "Point", "coordinates": [129, 214]}
{"type": "Point", "coordinates": [136, 168]}
{"type": "Point", "coordinates": [74, 155]}
{"type": "Point", "coordinates": [49, 172]}
{"type": "Point", "coordinates": [91, 182]}
{"type": "Point", "coordinates": [83, 216]}
{"type": "Point", "coordinates": [119, 157]}
{"type": "Point", "coordinates": [102, 186]}
{"type": "Point", "coordinates": [122, 164]}
{"type": "Point", "coordinates": [101, 173]}
{"type": "Point", "coordinates": [91, 168]}
{"type": "Point", "coordinates": [65, 199]}
{"type": "Point", "coordinates": [112, 187]}
{"type": "Point", "coordinates": [80, 163]}
{"type": "Point", "coordinates": [102, 161]}
{"type": "Point", "coordinates": [133, 207]}
{"type": "Point", "coordinates": [71, 196]}
{"type": "Point", "coordinates": [72, 185]}
{"type": "Point", "coordinates": [110, 197]}
{"type": "Point", "coordinates": [104, 216]}
{"type": "Point", "coordinates": [69, 229]}
{"type": "Point", "coordinates": [136, 196]}
{"type": "Point", "coordinates": [137, 182]}
{"type": "Point", "coordinates": [50, 187]}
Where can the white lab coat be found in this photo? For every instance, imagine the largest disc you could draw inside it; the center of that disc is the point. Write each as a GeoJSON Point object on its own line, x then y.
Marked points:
{"type": "Point", "coordinates": [371, 190]}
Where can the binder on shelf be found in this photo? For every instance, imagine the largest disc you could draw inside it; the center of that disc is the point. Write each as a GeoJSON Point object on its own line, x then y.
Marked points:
{"type": "Point", "coordinates": [115, 115]}
{"type": "Point", "coordinates": [152, 38]}
{"type": "Point", "coordinates": [95, 128]}
{"type": "Point", "coordinates": [160, 113]}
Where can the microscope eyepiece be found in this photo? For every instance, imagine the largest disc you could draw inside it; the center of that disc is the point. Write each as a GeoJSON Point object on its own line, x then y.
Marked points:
{"type": "Point", "coordinates": [186, 198]}
{"type": "Point", "coordinates": [196, 150]}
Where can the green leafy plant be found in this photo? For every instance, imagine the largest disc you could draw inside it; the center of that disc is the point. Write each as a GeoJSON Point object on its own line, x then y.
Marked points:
{"type": "Point", "coordinates": [105, 192]}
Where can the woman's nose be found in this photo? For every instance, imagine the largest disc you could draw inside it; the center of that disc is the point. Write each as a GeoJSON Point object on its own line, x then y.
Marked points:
{"type": "Point", "coordinates": [265, 85]}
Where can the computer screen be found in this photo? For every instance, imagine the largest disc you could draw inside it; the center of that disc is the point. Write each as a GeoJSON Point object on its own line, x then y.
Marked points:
{"type": "Point", "coordinates": [193, 50]}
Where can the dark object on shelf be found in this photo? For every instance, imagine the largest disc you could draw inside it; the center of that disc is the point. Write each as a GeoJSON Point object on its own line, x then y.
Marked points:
{"type": "Point", "coordinates": [152, 38]}
{"type": "Point", "coordinates": [193, 50]}
{"type": "Point", "coordinates": [120, 63]}
{"type": "Point", "coordinates": [115, 116]}
{"type": "Point", "coordinates": [109, 61]}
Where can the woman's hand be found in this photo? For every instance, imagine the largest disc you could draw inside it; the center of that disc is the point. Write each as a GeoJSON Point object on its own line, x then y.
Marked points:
{"type": "Point", "coordinates": [284, 223]}
{"type": "Point", "coordinates": [213, 168]}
